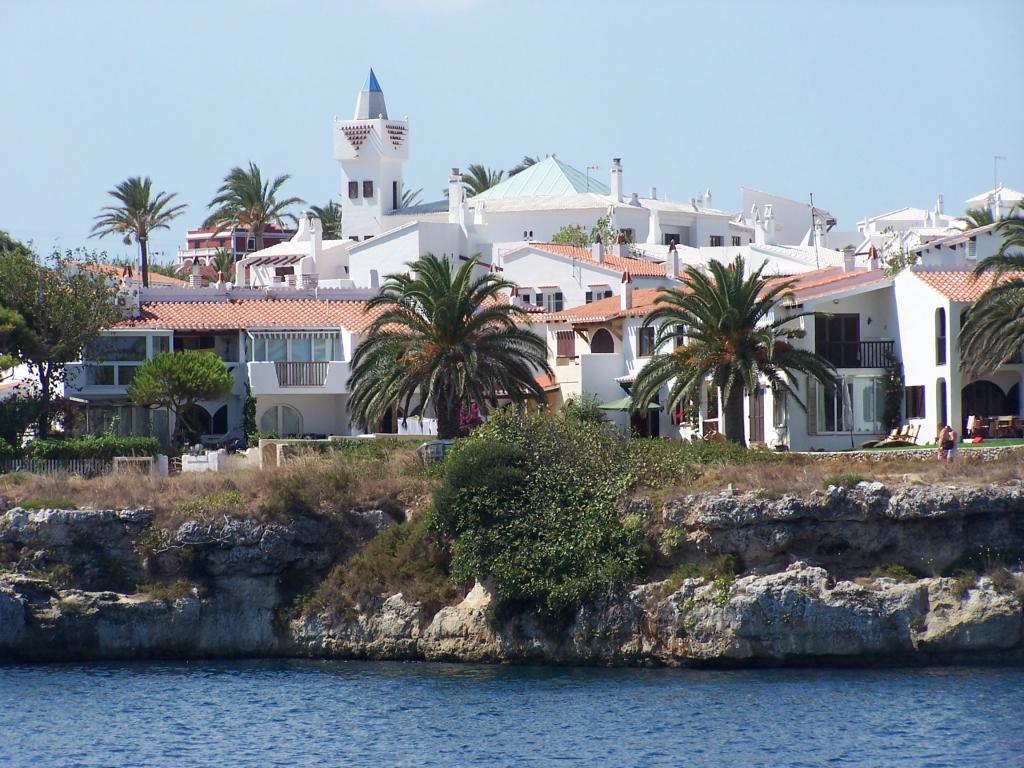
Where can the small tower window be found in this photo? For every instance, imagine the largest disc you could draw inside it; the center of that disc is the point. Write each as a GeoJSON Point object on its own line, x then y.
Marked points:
{"type": "Point", "coordinates": [353, 190]}
{"type": "Point", "coordinates": [367, 189]}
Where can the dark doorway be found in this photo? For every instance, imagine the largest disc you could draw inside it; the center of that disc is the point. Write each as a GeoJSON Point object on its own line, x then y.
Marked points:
{"type": "Point", "coordinates": [986, 399]}
{"type": "Point", "coordinates": [837, 339]}
{"type": "Point", "coordinates": [756, 418]}
{"type": "Point", "coordinates": [602, 342]}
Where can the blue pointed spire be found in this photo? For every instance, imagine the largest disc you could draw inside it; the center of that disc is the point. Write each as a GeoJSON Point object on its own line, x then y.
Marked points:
{"type": "Point", "coordinates": [371, 85]}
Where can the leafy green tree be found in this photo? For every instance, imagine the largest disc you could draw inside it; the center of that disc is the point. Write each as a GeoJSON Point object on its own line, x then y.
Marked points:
{"type": "Point", "coordinates": [977, 217]}
{"type": "Point", "coordinates": [895, 386]}
{"type": "Point", "coordinates": [445, 339]}
{"type": "Point", "coordinates": [478, 178]}
{"type": "Point", "coordinates": [246, 200]}
{"type": "Point", "coordinates": [138, 213]}
{"type": "Point", "coordinates": [602, 231]}
{"type": "Point", "coordinates": [730, 341]}
{"type": "Point", "coordinates": [330, 219]}
{"type": "Point", "coordinates": [530, 502]}
{"type": "Point", "coordinates": [993, 331]}
{"type": "Point", "coordinates": [583, 408]}
{"type": "Point", "coordinates": [523, 164]}
{"type": "Point", "coordinates": [572, 234]}
{"type": "Point", "coordinates": [64, 304]}
{"type": "Point", "coordinates": [177, 381]}
{"type": "Point", "coordinates": [14, 336]}
{"type": "Point", "coordinates": [411, 197]}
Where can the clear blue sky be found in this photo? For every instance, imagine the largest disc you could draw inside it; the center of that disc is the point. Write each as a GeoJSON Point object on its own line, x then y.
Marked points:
{"type": "Point", "coordinates": [870, 105]}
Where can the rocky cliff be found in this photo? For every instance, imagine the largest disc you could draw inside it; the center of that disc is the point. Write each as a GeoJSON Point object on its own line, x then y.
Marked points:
{"type": "Point", "coordinates": [111, 584]}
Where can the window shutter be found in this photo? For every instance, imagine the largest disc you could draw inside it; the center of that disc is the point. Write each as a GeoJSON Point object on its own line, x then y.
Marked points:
{"type": "Point", "coordinates": [812, 406]}
{"type": "Point", "coordinates": [566, 343]}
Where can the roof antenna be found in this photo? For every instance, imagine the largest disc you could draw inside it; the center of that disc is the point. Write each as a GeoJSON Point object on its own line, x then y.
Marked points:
{"type": "Point", "coordinates": [817, 264]}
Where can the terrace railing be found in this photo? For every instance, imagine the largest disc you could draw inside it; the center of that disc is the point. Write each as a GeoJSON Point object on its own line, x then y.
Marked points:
{"type": "Point", "coordinates": [294, 374]}
{"type": "Point", "coordinates": [857, 354]}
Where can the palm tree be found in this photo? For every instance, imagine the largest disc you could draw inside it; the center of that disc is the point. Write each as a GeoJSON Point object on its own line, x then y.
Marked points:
{"type": "Point", "coordinates": [330, 219]}
{"type": "Point", "coordinates": [728, 339]}
{"type": "Point", "coordinates": [977, 217]}
{"type": "Point", "coordinates": [447, 339]}
{"type": "Point", "coordinates": [993, 331]}
{"type": "Point", "coordinates": [523, 164]}
{"type": "Point", "coordinates": [411, 197]}
{"type": "Point", "coordinates": [477, 178]}
{"type": "Point", "coordinates": [138, 213]}
{"type": "Point", "coordinates": [245, 200]}
{"type": "Point", "coordinates": [223, 262]}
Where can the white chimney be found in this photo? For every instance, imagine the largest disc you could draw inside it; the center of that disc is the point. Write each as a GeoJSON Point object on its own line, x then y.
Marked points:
{"type": "Point", "coordinates": [654, 193]}
{"type": "Point", "coordinates": [626, 294]}
{"type": "Point", "coordinates": [597, 251]}
{"type": "Point", "coordinates": [940, 206]}
{"type": "Point", "coordinates": [316, 234]}
{"type": "Point", "coordinates": [195, 281]}
{"type": "Point", "coordinates": [456, 194]}
{"type": "Point", "coordinates": [621, 247]}
{"type": "Point", "coordinates": [873, 261]}
{"type": "Point", "coordinates": [993, 206]}
{"type": "Point", "coordinates": [672, 262]}
{"type": "Point", "coordinates": [616, 184]}
{"type": "Point", "coordinates": [849, 259]}
{"type": "Point", "coordinates": [769, 225]}
{"type": "Point", "coordinates": [707, 197]}
{"type": "Point", "coordinates": [220, 280]}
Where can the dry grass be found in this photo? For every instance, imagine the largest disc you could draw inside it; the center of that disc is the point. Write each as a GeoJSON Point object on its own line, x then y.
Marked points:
{"type": "Point", "coordinates": [317, 483]}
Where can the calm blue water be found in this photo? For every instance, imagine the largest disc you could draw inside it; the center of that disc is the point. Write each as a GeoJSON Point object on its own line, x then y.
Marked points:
{"type": "Point", "coordinates": [281, 713]}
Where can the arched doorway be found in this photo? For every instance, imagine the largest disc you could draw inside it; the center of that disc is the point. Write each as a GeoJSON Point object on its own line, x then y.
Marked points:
{"type": "Point", "coordinates": [282, 420]}
{"type": "Point", "coordinates": [602, 342]}
{"type": "Point", "coordinates": [219, 422]}
{"type": "Point", "coordinates": [986, 399]}
{"type": "Point", "coordinates": [195, 422]}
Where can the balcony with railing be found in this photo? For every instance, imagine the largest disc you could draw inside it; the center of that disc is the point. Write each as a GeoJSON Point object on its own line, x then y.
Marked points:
{"type": "Point", "coordinates": [280, 377]}
{"type": "Point", "coordinates": [857, 354]}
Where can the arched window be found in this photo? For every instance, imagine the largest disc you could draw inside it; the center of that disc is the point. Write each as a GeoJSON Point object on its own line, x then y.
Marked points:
{"type": "Point", "coordinates": [602, 342]}
{"type": "Point", "coordinates": [283, 420]}
{"type": "Point", "coordinates": [940, 336]}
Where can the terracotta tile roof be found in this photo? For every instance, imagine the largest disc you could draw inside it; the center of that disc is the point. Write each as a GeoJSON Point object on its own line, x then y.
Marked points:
{"type": "Point", "coordinates": [155, 278]}
{"type": "Point", "coordinates": [832, 280]}
{"type": "Point", "coordinates": [547, 382]}
{"type": "Point", "coordinates": [959, 284]}
{"type": "Point", "coordinates": [250, 313]}
{"type": "Point", "coordinates": [635, 266]}
{"type": "Point", "coordinates": [603, 310]}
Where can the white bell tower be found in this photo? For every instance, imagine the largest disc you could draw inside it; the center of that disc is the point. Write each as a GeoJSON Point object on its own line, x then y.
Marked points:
{"type": "Point", "coordinates": [371, 149]}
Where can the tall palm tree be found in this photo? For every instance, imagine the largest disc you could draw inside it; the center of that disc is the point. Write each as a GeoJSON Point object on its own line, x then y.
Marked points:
{"type": "Point", "coordinates": [411, 197]}
{"type": "Point", "coordinates": [728, 339]}
{"type": "Point", "coordinates": [330, 219]}
{"type": "Point", "coordinates": [993, 331]}
{"type": "Point", "coordinates": [977, 217]}
{"type": "Point", "coordinates": [138, 213]}
{"type": "Point", "coordinates": [245, 200]}
{"type": "Point", "coordinates": [477, 178]}
{"type": "Point", "coordinates": [523, 164]}
{"type": "Point", "coordinates": [447, 340]}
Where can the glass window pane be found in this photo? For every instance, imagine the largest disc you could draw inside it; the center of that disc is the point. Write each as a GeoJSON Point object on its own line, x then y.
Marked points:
{"type": "Point", "coordinates": [115, 348]}
{"type": "Point", "coordinates": [322, 348]}
{"type": "Point", "coordinates": [302, 349]}
{"type": "Point", "coordinates": [125, 374]}
{"type": "Point", "coordinates": [277, 349]}
{"type": "Point", "coordinates": [268, 421]}
{"type": "Point", "coordinates": [291, 422]}
{"type": "Point", "coordinates": [101, 375]}
{"type": "Point", "coordinates": [161, 344]}
{"type": "Point", "coordinates": [259, 348]}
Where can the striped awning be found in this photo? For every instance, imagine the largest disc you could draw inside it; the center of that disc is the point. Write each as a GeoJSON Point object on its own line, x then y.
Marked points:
{"type": "Point", "coordinates": [274, 261]}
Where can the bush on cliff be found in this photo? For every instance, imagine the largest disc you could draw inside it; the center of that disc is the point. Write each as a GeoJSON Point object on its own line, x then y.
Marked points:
{"type": "Point", "coordinates": [530, 502]}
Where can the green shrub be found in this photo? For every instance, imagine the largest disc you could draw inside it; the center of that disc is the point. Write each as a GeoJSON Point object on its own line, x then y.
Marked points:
{"type": "Point", "coordinates": [964, 581]}
{"type": "Point", "coordinates": [722, 567]}
{"type": "Point", "coordinates": [984, 560]}
{"type": "Point", "coordinates": [404, 558]}
{"type": "Point", "coordinates": [93, 447]}
{"type": "Point", "coordinates": [55, 503]}
{"type": "Point", "coordinates": [583, 408]}
{"type": "Point", "coordinates": [254, 438]}
{"type": "Point", "coordinates": [223, 503]}
{"type": "Point", "coordinates": [529, 500]}
{"type": "Point", "coordinates": [893, 571]}
{"type": "Point", "coordinates": [303, 489]}
{"type": "Point", "coordinates": [6, 451]}
{"type": "Point", "coordinates": [167, 591]}
{"type": "Point", "coordinates": [843, 480]}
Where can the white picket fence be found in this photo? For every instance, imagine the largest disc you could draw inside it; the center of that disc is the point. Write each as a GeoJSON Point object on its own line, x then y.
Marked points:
{"type": "Point", "coordinates": [84, 467]}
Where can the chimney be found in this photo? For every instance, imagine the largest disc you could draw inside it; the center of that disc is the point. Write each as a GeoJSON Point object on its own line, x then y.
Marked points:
{"type": "Point", "coordinates": [672, 262]}
{"type": "Point", "coordinates": [873, 261]}
{"type": "Point", "coordinates": [626, 294]}
{"type": "Point", "coordinates": [289, 280]}
{"type": "Point", "coordinates": [616, 185]}
{"type": "Point", "coordinates": [769, 225]}
{"type": "Point", "coordinates": [220, 280]}
{"type": "Point", "coordinates": [849, 259]}
{"type": "Point", "coordinates": [456, 194]}
{"type": "Point", "coordinates": [597, 251]}
{"type": "Point", "coordinates": [316, 234]}
{"type": "Point", "coordinates": [621, 247]}
{"type": "Point", "coordinates": [195, 280]}
{"type": "Point", "coordinates": [707, 197]}
{"type": "Point", "coordinates": [654, 193]}
{"type": "Point", "coordinates": [940, 206]}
